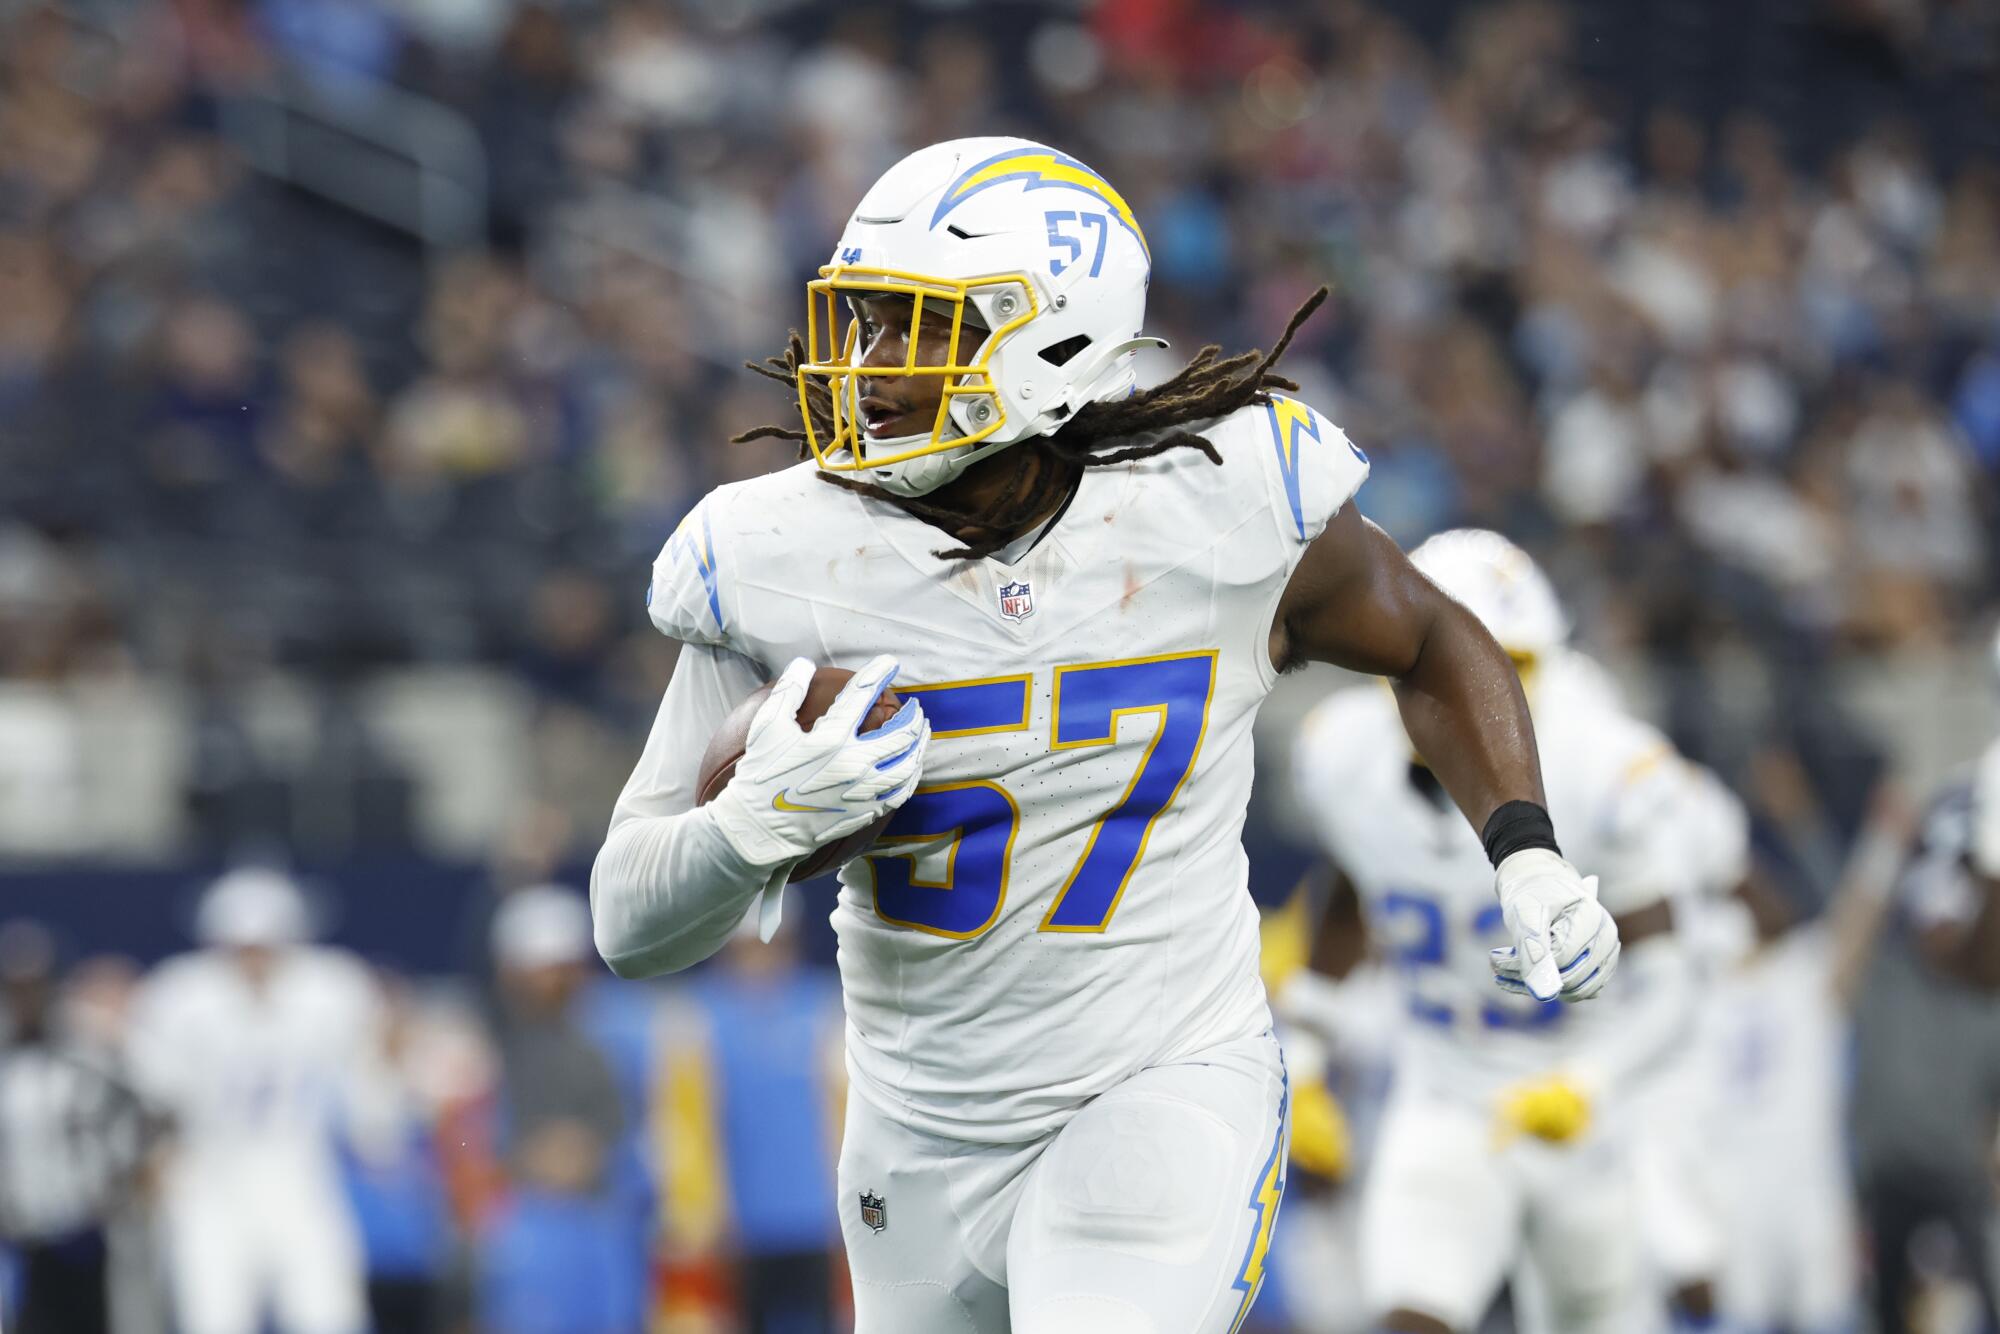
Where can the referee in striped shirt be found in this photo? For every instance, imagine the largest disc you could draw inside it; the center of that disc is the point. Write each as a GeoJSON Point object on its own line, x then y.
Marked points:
{"type": "Point", "coordinates": [72, 1138]}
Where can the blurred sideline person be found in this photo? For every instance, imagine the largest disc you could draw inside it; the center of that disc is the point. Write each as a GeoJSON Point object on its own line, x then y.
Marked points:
{"type": "Point", "coordinates": [1928, 1049]}
{"type": "Point", "coordinates": [73, 1139]}
{"type": "Point", "coordinates": [1511, 1136]}
{"type": "Point", "coordinates": [398, 1193]}
{"type": "Point", "coordinates": [1978, 953]}
{"type": "Point", "coordinates": [1678, 1192]}
{"type": "Point", "coordinates": [263, 1050]}
{"type": "Point", "coordinates": [1771, 1100]}
{"type": "Point", "coordinates": [755, 1087]}
{"type": "Point", "coordinates": [563, 1253]}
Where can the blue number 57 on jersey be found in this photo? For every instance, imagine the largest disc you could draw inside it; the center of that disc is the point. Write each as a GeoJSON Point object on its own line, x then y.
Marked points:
{"type": "Point", "coordinates": [981, 818]}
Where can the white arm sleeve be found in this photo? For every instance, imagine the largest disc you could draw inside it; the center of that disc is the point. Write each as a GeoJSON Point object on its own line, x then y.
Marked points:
{"type": "Point", "coordinates": [667, 889]}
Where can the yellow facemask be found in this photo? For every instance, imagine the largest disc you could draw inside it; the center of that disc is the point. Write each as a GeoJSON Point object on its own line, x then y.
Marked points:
{"type": "Point", "coordinates": [1525, 666]}
{"type": "Point", "coordinates": [831, 324]}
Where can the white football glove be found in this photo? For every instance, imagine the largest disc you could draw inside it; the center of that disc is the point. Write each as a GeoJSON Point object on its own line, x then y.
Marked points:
{"type": "Point", "coordinates": [1565, 944]}
{"type": "Point", "coordinates": [794, 791]}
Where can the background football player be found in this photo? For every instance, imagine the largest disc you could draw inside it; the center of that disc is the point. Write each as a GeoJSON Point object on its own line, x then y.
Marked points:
{"type": "Point", "coordinates": [1766, 1115]}
{"type": "Point", "coordinates": [1510, 1133]}
{"type": "Point", "coordinates": [1067, 1110]}
{"type": "Point", "coordinates": [1923, 1149]}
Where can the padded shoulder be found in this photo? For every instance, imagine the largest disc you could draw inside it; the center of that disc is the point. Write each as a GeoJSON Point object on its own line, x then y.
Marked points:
{"type": "Point", "coordinates": [685, 596]}
{"type": "Point", "coordinates": [695, 595]}
{"type": "Point", "coordinates": [1310, 468]}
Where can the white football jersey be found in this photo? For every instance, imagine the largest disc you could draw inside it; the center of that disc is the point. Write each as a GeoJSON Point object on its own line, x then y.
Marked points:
{"type": "Point", "coordinates": [1063, 901]}
{"type": "Point", "coordinates": [1423, 877]}
{"type": "Point", "coordinates": [241, 1067]}
{"type": "Point", "coordinates": [1717, 832]}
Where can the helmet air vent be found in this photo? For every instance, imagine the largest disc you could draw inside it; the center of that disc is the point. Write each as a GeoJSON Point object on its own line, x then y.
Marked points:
{"type": "Point", "coordinates": [1058, 354]}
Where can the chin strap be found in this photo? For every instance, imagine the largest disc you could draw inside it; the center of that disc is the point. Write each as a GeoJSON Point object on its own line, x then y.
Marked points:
{"type": "Point", "coordinates": [1101, 361]}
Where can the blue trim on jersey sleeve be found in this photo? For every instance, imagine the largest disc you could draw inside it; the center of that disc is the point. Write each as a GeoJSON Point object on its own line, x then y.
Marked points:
{"type": "Point", "coordinates": [1290, 420]}
{"type": "Point", "coordinates": [704, 562]}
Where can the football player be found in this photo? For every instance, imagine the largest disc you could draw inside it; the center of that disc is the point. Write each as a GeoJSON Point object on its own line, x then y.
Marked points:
{"type": "Point", "coordinates": [1767, 1118]}
{"type": "Point", "coordinates": [1980, 950]}
{"type": "Point", "coordinates": [1510, 1133]}
{"type": "Point", "coordinates": [1922, 1098]}
{"type": "Point", "coordinates": [1067, 1108]}
{"type": "Point", "coordinates": [267, 1053]}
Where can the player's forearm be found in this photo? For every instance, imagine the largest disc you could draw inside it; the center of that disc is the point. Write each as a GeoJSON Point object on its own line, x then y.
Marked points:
{"type": "Point", "coordinates": [1357, 602]}
{"type": "Point", "coordinates": [667, 887]}
{"type": "Point", "coordinates": [1467, 717]}
{"type": "Point", "coordinates": [666, 891]}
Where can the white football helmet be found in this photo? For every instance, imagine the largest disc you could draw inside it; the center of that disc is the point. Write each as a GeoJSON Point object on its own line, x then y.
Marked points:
{"type": "Point", "coordinates": [1043, 270]}
{"type": "Point", "coordinates": [1501, 585]}
{"type": "Point", "coordinates": [253, 907]}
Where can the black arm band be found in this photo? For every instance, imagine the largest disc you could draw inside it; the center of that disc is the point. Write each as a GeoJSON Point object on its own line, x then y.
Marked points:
{"type": "Point", "coordinates": [1517, 825]}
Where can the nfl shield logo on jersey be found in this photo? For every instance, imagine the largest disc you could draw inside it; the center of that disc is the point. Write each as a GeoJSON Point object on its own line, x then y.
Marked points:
{"type": "Point", "coordinates": [873, 1211]}
{"type": "Point", "coordinates": [1017, 601]}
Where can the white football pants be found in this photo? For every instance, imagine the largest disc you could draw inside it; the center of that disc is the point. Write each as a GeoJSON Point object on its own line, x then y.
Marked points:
{"type": "Point", "coordinates": [267, 1231]}
{"type": "Point", "coordinates": [1150, 1212]}
{"type": "Point", "coordinates": [1453, 1208]}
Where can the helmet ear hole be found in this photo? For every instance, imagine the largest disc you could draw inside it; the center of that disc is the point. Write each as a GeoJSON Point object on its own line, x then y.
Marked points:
{"type": "Point", "coordinates": [1057, 354]}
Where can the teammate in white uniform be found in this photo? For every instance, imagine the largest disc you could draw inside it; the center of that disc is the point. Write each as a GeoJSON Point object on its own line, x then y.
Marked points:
{"type": "Point", "coordinates": [1508, 1136]}
{"type": "Point", "coordinates": [1768, 1115]}
{"type": "Point", "coordinates": [1068, 1112]}
{"type": "Point", "coordinates": [1681, 1184]}
{"type": "Point", "coordinates": [1982, 946]}
{"type": "Point", "coordinates": [261, 1049]}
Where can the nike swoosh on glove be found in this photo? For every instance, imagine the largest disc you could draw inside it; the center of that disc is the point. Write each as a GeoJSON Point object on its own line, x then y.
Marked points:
{"type": "Point", "coordinates": [796, 790]}
{"type": "Point", "coordinates": [1565, 944]}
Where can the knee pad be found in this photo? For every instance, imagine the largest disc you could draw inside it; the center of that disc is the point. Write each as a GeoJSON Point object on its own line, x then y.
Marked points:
{"type": "Point", "coordinates": [1140, 1178]}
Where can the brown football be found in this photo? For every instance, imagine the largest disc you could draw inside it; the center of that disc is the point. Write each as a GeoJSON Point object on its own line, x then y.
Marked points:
{"type": "Point", "coordinates": [725, 748]}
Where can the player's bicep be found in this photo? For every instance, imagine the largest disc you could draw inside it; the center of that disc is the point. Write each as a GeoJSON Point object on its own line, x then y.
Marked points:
{"type": "Point", "coordinates": [1354, 601]}
{"type": "Point", "coordinates": [707, 683]}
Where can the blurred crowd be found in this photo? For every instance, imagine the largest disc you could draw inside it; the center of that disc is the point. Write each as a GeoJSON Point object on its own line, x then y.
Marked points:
{"type": "Point", "coordinates": [1730, 364]}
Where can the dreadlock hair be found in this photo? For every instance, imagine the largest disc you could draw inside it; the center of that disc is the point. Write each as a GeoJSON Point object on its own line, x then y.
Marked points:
{"type": "Point", "coordinates": [1148, 422]}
